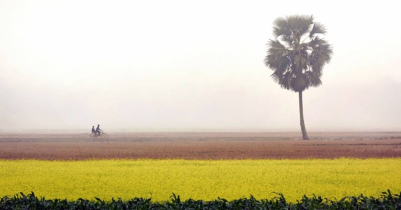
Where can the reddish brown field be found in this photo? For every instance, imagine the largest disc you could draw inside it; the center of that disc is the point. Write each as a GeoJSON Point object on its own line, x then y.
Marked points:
{"type": "Point", "coordinates": [273, 145]}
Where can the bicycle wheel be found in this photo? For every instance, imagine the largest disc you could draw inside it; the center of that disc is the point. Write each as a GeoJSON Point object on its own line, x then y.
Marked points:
{"type": "Point", "coordinates": [105, 135]}
{"type": "Point", "coordinates": [93, 135]}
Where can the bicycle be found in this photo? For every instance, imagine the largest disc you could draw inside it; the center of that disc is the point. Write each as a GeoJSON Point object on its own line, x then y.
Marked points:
{"type": "Point", "coordinates": [101, 135]}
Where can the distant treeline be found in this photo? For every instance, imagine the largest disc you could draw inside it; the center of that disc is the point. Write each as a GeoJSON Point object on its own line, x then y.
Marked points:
{"type": "Point", "coordinates": [386, 201]}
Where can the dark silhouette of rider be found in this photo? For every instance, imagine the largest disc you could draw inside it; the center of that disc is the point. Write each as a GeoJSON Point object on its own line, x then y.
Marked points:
{"type": "Point", "coordinates": [98, 130]}
{"type": "Point", "coordinates": [93, 129]}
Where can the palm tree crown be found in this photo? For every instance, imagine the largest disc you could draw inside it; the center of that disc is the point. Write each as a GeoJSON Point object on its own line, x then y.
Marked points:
{"type": "Point", "coordinates": [297, 55]}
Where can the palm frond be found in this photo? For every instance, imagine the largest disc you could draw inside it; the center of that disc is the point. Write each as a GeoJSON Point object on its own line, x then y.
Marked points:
{"type": "Point", "coordinates": [280, 28]}
{"type": "Point", "coordinates": [317, 28]}
{"type": "Point", "coordinates": [299, 25]}
{"type": "Point", "coordinates": [275, 76]}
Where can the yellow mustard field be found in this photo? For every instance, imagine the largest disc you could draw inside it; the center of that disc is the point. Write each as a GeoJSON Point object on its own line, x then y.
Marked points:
{"type": "Point", "coordinates": [200, 179]}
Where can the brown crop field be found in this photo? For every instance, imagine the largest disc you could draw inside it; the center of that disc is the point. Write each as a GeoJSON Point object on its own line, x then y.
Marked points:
{"type": "Point", "coordinates": [272, 145]}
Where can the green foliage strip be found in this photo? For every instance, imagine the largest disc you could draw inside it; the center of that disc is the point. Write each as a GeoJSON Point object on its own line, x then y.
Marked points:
{"type": "Point", "coordinates": [30, 201]}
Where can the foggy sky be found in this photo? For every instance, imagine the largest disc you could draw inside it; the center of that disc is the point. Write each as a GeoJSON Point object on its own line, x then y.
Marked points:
{"type": "Point", "coordinates": [191, 66]}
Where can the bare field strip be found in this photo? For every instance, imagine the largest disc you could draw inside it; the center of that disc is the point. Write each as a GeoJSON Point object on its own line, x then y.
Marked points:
{"type": "Point", "coordinates": [276, 145]}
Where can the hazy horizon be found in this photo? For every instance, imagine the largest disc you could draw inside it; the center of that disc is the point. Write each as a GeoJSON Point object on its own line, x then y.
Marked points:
{"type": "Point", "coordinates": [191, 66]}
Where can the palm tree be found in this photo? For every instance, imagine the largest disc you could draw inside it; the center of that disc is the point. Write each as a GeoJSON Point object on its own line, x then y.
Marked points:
{"type": "Point", "coordinates": [297, 56]}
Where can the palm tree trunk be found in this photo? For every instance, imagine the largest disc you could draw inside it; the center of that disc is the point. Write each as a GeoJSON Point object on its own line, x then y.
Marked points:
{"type": "Point", "coordinates": [301, 114]}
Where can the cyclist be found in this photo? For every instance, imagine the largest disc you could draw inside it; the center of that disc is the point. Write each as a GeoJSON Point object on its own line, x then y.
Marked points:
{"type": "Point", "coordinates": [93, 129]}
{"type": "Point", "coordinates": [98, 130]}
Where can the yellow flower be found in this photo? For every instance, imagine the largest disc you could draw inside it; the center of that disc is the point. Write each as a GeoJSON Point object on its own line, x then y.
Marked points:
{"type": "Point", "coordinates": [200, 179]}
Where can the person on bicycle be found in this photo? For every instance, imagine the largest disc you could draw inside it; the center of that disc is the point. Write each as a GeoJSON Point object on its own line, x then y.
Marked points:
{"type": "Point", "coordinates": [93, 129]}
{"type": "Point", "coordinates": [98, 130]}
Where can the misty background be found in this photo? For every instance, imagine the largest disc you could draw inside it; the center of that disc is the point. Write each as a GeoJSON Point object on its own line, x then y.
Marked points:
{"type": "Point", "coordinates": [191, 66]}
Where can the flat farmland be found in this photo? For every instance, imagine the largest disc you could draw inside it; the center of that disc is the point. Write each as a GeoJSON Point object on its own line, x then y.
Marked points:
{"type": "Point", "coordinates": [213, 146]}
{"type": "Point", "coordinates": [201, 166]}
